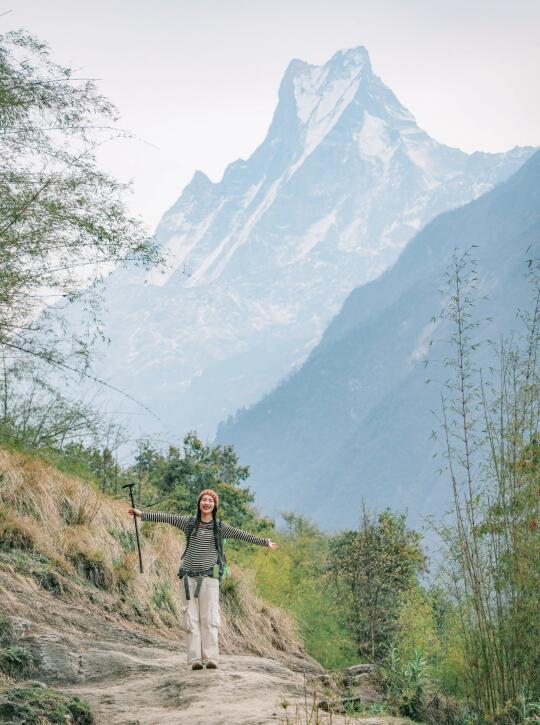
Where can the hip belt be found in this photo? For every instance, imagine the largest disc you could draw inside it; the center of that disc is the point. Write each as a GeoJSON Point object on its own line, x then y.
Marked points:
{"type": "Point", "coordinates": [198, 575]}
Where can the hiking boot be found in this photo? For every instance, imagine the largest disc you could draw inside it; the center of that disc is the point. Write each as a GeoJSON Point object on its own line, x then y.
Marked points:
{"type": "Point", "coordinates": [197, 665]}
{"type": "Point", "coordinates": [211, 665]}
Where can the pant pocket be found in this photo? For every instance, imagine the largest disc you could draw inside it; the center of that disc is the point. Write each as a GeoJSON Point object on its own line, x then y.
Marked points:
{"type": "Point", "coordinates": [188, 623]}
{"type": "Point", "coordinates": [190, 617]}
{"type": "Point", "coordinates": [215, 616]}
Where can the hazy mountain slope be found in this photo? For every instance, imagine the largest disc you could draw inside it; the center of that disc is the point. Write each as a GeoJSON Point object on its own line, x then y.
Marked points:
{"type": "Point", "coordinates": [354, 421]}
{"type": "Point", "coordinates": [343, 179]}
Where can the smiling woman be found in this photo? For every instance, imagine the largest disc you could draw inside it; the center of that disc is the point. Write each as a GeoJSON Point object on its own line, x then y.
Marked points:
{"type": "Point", "coordinates": [201, 571]}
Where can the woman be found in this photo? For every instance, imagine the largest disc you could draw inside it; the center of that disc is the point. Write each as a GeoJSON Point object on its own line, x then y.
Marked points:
{"type": "Point", "coordinates": [201, 570]}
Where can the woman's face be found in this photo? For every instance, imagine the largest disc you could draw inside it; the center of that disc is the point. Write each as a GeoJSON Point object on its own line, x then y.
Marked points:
{"type": "Point", "coordinates": [206, 504]}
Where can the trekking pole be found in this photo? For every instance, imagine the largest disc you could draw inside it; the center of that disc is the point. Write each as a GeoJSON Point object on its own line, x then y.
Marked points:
{"type": "Point", "coordinates": [130, 486]}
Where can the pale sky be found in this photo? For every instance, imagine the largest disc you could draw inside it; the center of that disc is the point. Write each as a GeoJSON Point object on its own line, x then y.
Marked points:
{"type": "Point", "coordinates": [197, 80]}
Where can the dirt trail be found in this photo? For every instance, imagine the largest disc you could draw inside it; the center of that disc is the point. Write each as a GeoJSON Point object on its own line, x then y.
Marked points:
{"type": "Point", "coordinates": [245, 690]}
{"type": "Point", "coordinates": [133, 675]}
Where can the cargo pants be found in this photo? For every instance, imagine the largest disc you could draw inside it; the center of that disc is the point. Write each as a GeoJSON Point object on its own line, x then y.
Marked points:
{"type": "Point", "coordinates": [202, 620]}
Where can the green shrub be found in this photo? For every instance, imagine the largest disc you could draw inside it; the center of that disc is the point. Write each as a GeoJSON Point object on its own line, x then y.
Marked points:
{"type": "Point", "coordinates": [404, 683]}
{"type": "Point", "coordinates": [37, 704]}
{"type": "Point", "coordinates": [13, 534]}
{"type": "Point", "coordinates": [93, 567]}
{"type": "Point", "coordinates": [6, 629]}
{"type": "Point", "coordinates": [162, 597]}
{"type": "Point", "coordinates": [15, 661]}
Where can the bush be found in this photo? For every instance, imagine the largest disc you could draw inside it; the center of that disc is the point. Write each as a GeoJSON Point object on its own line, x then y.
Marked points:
{"type": "Point", "coordinates": [294, 577]}
{"type": "Point", "coordinates": [15, 661]}
{"type": "Point", "coordinates": [38, 704]}
{"type": "Point", "coordinates": [6, 629]}
{"type": "Point", "coordinates": [15, 531]}
{"type": "Point", "coordinates": [404, 683]}
{"type": "Point", "coordinates": [93, 567]}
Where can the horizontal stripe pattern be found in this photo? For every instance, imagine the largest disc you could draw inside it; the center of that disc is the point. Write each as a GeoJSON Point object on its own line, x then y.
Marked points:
{"type": "Point", "coordinates": [201, 553]}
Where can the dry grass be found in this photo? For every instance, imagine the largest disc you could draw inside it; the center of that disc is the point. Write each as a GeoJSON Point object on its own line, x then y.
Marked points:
{"type": "Point", "coordinates": [307, 711]}
{"type": "Point", "coordinates": [76, 542]}
{"type": "Point", "coordinates": [86, 535]}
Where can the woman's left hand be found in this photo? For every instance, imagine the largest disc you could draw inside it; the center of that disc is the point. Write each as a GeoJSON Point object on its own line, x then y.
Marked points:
{"type": "Point", "coordinates": [272, 545]}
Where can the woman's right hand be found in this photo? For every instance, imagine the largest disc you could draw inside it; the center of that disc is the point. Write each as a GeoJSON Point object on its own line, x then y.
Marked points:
{"type": "Point", "coordinates": [135, 512]}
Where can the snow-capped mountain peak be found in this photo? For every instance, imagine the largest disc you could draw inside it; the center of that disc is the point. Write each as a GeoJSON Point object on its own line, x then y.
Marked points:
{"type": "Point", "coordinates": [320, 91]}
{"type": "Point", "coordinates": [343, 179]}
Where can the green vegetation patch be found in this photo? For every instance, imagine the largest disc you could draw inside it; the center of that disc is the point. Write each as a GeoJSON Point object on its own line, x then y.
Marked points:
{"type": "Point", "coordinates": [125, 537]}
{"type": "Point", "coordinates": [123, 576]}
{"type": "Point", "coordinates": [15, 661]}
{"type": "Point", "coordinates": [93, 567]}
{"type": "Point", "coordinates": [231, 599]}
{"type": "Point", "coordinates": [40, 567]}
{"type": "Point", "coordinates": [162, 597]}
{"type": "Point", "coordinates": [13, 534]}
{"type": "Point", "coordinates": [6, 629]}
{"type": "Point", "coordinates": [36, 703]}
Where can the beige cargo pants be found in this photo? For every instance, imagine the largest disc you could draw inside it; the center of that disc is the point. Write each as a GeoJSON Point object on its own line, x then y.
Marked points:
{"type": "Point", "coordinates": [201, 619]}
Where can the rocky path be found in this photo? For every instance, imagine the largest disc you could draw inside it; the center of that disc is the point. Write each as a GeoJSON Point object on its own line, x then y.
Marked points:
{"type": "Point", "coordinates": [247, 690]}
{"type": "Point", "coordinates": [243, 691]}
{"type": "Point", "coordinates": [135, 676]}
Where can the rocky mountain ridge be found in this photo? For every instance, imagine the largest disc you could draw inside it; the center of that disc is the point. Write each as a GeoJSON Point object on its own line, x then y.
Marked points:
{"type": "Point", "coordinates": [355, 422]}
{"type": "Point", "coordinates": [262, 260]}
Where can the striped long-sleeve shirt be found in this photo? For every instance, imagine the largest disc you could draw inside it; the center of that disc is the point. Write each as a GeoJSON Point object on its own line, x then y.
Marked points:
{"type": "Point", "coordinates": [201, 552]}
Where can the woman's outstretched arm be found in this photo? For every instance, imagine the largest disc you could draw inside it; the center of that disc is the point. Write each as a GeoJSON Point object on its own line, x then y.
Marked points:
{"type": "Point", "coordinates": [182, 522]}
{"type": "Point", "coordinates": [231, 532]}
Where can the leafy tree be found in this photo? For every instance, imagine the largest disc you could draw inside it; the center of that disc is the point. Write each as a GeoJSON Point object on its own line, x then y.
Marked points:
{"type": "Point", "coordinates": [180, 475]}
{"type": "Point", "coordinates": [64, 224]}
{"type": "Point", "coordinates": [369, 569]}
{"type": "Point", "coordinates": [294, 577]}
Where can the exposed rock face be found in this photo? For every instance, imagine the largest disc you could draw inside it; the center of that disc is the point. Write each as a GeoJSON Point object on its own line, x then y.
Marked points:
{"type": "Point", "coordinates": [245, 690]}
